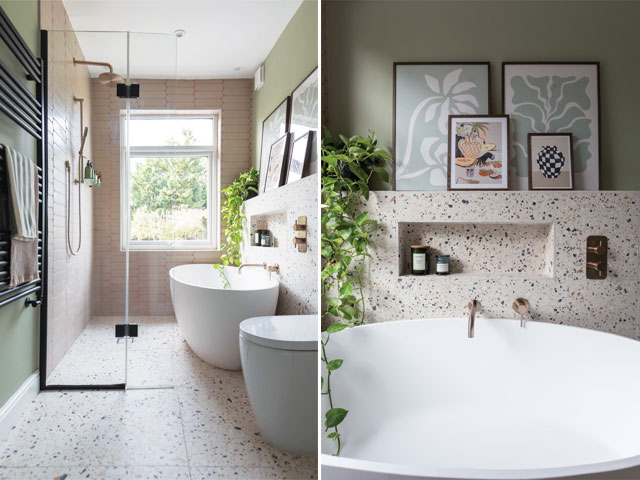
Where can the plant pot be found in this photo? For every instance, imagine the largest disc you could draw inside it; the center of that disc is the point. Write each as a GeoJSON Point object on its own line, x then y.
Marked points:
{"type": "Point", "coordinates": [251, 194]}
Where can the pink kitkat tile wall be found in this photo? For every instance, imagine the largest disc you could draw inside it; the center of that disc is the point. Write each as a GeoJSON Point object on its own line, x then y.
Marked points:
{"type": "Point", "coordinates": [70, 300]}
{"type": "Point", "coordinates": [149, 271]}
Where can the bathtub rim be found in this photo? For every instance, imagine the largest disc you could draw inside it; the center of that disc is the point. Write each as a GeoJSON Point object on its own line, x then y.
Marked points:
{"type": "Point", "coordinates": [415, 471]}
{"type": "Point", "coordinates": [328, 460]}
{"type": "Point", "coordinates": [269, 284]}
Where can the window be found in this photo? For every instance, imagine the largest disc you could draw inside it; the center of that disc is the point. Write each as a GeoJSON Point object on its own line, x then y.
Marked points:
{"type": "Point", "coordinates": [169, 182]}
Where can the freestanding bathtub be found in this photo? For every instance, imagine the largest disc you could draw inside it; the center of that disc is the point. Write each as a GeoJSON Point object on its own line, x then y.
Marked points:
{"type": "Point", "coordinates": [426, 402]}
{"type": "Point", "coordinates": [209, 314]}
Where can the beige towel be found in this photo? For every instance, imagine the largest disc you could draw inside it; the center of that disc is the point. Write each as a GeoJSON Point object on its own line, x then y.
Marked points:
{"type": "Point", "coordinates": [23, 187]}
{"type": "Point", "coordinates": [24, 261]}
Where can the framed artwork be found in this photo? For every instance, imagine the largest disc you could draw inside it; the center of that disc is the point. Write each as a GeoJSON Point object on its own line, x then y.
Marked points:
{"type": "Point", "coordinates": [478, 152]}
{"type": "Point", "coordinates": [276, 165]}
{"type": "Point", "coordinates": [273, 128]}
{"type": "Point", "coordinates": [560, 97]}
{"type": "Point", "coordinates": [550, 161]}
{"type": "Point", "coordinates": [424, 95]}
{"type": "Point", "coordinates": [300, 154]}
{"type": "Point", "coordinates": [304, 115]}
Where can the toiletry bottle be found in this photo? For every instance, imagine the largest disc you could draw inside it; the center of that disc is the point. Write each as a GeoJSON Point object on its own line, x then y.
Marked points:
{"type": "Point", "coordinates": [442, 265]}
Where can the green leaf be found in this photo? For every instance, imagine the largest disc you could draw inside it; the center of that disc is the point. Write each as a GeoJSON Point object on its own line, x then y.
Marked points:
{"type": "Point", "coordinates": [334, 417]}
{"type": "Point", "coordinates": [336, 327]}
{"type": "Point", "coordinates": [382, 173]}
{"type": "Point", "coordinates": [334, 364]}
{"type": "Point", "coordinates": [361, 218]}
{"type": "Point", "coordinates": [346, 289]}
{"type": "Point", "coordinates": [333, 435]}
{"type": "Point", "coordinates": [357, 171]}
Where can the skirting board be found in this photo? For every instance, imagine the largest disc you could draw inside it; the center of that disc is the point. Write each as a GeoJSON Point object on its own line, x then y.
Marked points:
{"type": "Point", "coordinates": [12, 410]}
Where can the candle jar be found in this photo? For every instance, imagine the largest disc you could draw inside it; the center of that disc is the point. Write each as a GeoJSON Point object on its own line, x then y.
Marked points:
{"type": "Point", "coordinates": [442, 265]}
{"type": "Point", "coordinates": [419, 259]}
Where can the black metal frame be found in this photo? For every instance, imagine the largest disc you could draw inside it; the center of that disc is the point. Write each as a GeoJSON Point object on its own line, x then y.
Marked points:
{"type": "Point", "coordinates": [44, 53]}
{"type": "Point", "coordinates": [30, 113]}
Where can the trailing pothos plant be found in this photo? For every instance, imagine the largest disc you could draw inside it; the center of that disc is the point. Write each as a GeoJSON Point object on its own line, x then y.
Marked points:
{"type": "Point", "coordinates": [348, 166]}
{"type": "Point", "coordinates": [242, 188]}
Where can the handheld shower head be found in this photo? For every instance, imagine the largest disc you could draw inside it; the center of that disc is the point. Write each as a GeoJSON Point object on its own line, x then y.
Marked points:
{"type": "Point", "coordinates": [84, 139]}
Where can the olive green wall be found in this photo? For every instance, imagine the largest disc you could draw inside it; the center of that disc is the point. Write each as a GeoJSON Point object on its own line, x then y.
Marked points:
{"type": "Point", "coordinates": [292, 58]}
{"type": "Point", "coordinates": [365, 37]}
{"type": "Point", "coordinates": [18, 325]}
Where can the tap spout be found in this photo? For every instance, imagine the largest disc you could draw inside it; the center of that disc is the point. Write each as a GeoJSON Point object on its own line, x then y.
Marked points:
{"type": "Point", "coordinates": [262, 265]}
{"type": "Point", "coordinates": [474, 306]}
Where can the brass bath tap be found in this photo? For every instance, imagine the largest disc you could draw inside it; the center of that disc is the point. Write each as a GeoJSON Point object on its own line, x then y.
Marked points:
{"type": "Point", "coordinates": [474, 306]}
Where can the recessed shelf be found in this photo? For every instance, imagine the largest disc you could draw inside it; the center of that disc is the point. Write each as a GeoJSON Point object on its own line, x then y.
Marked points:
{"type": "Point", "coordinates": [478, 249]}
{"type": "Point", "coordinates": [274, 222]}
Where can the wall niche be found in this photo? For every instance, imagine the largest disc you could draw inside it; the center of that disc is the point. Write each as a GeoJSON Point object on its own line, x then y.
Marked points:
{"type": "Point", "coordinates": [482, 249]}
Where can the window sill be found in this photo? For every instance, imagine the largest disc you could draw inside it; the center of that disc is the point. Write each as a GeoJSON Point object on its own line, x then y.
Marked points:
{"type": "Point", "coordinates": [174, 249]}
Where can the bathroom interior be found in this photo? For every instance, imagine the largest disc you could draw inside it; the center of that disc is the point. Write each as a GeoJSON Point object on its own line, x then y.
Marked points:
{"type": "Point", "coordinates": [494, 258]}
{"type": "Point", "coordinates": [176, 276]}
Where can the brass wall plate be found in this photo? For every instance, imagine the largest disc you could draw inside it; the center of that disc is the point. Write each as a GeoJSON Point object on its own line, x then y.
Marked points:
{"type": "Point", "coordinates": [596, 262]}
{"type": "Point", "coordinates": [300, 236]}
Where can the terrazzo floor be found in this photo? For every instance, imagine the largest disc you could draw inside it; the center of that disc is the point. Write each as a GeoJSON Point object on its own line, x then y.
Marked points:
{"type": "Point", "coordinates": [200, 427]}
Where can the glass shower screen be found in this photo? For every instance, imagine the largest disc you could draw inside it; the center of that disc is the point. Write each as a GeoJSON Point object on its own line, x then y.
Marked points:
{"type": "Point", "coordinates": [105, 287]}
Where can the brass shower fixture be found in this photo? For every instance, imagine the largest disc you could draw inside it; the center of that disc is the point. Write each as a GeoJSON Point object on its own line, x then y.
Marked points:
{"type": "Point", "coordinates": [105, 78]}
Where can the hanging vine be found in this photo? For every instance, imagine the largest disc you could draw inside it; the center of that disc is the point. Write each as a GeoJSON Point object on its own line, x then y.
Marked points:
{"type": "Point", "coordinates": [242, 188]}
{"type": "Point", "coordinates": [348, 166]}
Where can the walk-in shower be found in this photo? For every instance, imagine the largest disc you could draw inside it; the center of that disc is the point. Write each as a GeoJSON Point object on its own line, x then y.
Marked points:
{"type": "Point", "coordinates": [90, 293]}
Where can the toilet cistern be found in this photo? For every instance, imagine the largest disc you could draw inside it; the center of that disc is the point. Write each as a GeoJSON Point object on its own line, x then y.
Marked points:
{"type": "Point", "coordinates": [521, 307]}
{"type": "Point", "coordinates": [474, 306]}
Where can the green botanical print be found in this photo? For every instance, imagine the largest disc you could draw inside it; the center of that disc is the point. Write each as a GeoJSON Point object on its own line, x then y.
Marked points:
{"type": "Point", "coordinates": [553, 104]}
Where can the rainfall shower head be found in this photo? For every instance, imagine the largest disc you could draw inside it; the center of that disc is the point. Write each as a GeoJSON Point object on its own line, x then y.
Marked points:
{"type": "Point", "coordinates": [109, 77]}
{"type": "Point", "coordinates": [105, 78]}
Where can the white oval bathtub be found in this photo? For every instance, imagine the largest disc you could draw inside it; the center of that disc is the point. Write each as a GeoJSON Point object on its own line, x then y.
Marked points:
{"type": "Point", "coordinates": [425, 401]}
{"type": "Point", "coordinates": [209, 314]}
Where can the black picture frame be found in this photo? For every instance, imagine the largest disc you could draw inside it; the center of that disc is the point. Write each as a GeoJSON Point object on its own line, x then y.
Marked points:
{"type": "Point", "coordinates": [305, 144]}
{"type": "Point", "coordinates": [530, 161]}
{"type": "Point", "coordinates": [279, 176]}
{"type": "Point", "coordinates": [266, 143]}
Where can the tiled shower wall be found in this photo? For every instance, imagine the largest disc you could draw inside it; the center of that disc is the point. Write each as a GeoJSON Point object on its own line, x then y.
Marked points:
{"type": "Point", "coordinates": [565, 296]}
{"type": "Point", "coordinates": [149, 277]}
{"type": "Point", "coordinates": [69, 291]}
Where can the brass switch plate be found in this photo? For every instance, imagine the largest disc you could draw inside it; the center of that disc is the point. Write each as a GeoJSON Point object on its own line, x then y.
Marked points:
{"type": "Point", "coordinates": [596, 263]}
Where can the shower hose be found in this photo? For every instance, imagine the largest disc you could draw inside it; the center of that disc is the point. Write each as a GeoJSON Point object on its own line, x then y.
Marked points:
{"type": "Point", "coordinates": [69, 181]}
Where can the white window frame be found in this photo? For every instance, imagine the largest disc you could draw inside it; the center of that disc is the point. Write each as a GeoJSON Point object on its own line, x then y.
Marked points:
{"type": "Point", "coordinates": [166, 151]}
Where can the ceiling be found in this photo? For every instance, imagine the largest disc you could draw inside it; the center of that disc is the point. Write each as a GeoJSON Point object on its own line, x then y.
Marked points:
{"type": "Point", "coordinates": [223, 38]}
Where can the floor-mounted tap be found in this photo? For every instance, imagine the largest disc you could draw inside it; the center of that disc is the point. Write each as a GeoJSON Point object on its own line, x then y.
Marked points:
{"type": "Point", "coordinates": [474, 306]}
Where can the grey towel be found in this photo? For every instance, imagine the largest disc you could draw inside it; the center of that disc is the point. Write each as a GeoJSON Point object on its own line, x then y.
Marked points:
{"type": "Point", "coordinates": [23, 187]}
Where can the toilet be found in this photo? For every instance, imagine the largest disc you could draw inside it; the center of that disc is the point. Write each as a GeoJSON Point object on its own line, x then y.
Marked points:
{"type": "Point", "coordinates": [279, 357]}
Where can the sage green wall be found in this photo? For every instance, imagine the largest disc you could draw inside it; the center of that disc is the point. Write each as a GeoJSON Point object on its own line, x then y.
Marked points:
{"type": "Point", "coordinates": [364, 38]}
{"type": "Point", "coordinates": [292, 58]}
{"type": "Point", "coordinates": [18, 325]}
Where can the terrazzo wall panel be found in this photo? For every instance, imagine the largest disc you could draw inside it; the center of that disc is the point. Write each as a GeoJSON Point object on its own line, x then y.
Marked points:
{"type": "Point", "coordinates": [149, 270]}
{"type": "Point", "coordinates": [277, 211]}
{"type": "Point", "coordinates": [70, 300]}
{"type": "Point", "coordinates": [563, 295]}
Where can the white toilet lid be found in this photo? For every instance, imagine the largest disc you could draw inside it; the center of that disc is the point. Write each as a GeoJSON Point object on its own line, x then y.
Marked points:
{"type": "Point", "coordinates": [284, 332]}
